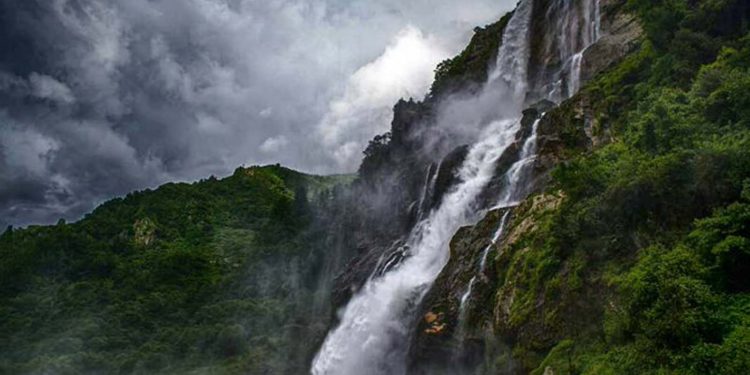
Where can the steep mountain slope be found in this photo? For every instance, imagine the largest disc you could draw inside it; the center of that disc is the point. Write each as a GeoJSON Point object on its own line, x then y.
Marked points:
{"type": "Point", "coordinates": [627, 271]}
{"type": "Point", "coordinates": [216, 276]}
{"type": "Point", "coordinates": [639, 162]}
{"type": "Point", "coordinates": [630, 258]}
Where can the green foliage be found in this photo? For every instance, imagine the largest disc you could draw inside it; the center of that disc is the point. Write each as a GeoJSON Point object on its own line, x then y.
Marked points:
{"type": "Point", "coordinates": [724, 240]}
{"type": "Point", "coordinates": [686, 308]}
{"type": "Point", "coordinates": [657, 219]}
{"type": "Point", "coordinates": [184, 277]}
{"type": "Point", "coordinates": [668, 300]}
{"type": "Point", "coordinates": [375, 155]}
{"type": "Point", "coordinates": [473, 63]}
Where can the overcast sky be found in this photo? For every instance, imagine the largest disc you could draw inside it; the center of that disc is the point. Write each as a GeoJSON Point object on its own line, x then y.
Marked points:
{"type": "Point", "coordinates": [99, 98]}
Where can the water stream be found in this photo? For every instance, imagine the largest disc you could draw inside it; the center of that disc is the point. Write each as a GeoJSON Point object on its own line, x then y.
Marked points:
{"type": "Point", "coordinates": [375, 325]}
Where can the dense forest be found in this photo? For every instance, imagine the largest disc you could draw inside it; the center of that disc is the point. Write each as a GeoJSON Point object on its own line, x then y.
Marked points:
{"type": "Point", "coordinates": [203, 277]}
{"type": "Point", "coordinates": [659, 217]}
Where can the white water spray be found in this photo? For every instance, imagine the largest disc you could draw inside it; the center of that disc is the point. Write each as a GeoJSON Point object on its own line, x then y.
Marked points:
{"type": "Point", "coordinates": [370, 338]}
{"type": "Point", "coordinates": [483, 262]}
{"type": "Point", "coordinates": [429, 189]}
{"type": "Point", "coordinates": [375, 325]}
{"type": "Point", "coordinates": [376, 321]}
{"type": "Point", "coordinates": [513, 192]}
{"type": "Point", "coordinates": [590, 34]}
{"type": "Point", "coordinates": [517, 173]}
{"type": "Point", "coordinates": [574, 26]}
{"type": "Point", "coordinates": [571, 48]}
{"type": "Point", "coordinates": [574, 79]}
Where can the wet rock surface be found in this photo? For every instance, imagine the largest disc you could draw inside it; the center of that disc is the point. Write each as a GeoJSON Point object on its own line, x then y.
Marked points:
{"type": "Point", "coordinates": [406, 175]}
{"type": "Point", "coordinates": [563, 132]}
{"type": "Point", "coordinates": [621, 35]}
{"type": "Point", "coordinates": [457, 345]}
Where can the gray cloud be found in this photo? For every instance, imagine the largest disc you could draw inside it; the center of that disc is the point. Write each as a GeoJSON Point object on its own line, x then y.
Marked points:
{"type": "Point", "coordinates": [98, 98]}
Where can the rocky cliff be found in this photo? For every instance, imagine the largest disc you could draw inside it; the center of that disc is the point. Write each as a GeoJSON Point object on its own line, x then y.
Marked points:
{"type": "Point", "coordinates": [448, 339]}
{"type": "Point", "coordinates": [557, 285]}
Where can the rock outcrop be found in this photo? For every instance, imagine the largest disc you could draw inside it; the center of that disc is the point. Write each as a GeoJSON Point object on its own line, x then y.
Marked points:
{"type": "Point", "coordinates": [504, 308]}
{"type": "Point", "coordinates": [406, 173]}
{"type": "Point", "coordinates": [621, 34]}
{"type": "Point", "coordinates": [458, 344]}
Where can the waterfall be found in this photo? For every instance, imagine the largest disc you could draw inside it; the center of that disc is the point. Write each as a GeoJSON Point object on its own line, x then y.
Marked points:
{"type": "Point", "coordinates": [517, 174]}
{"type": "Point", "coordinates": [372, 335]}
{"type": "Point", "coordinates": [467, 294]}
{"type": "Point", "coordinates": [574, 80]}
{"type": "Point", "coordinates": [516, 177]}
{"type": "Point", "coordinates": [429, 189]}
{"type": "Point", "coordinates": [572, 53]}
{"type": "Point", "coordinates": [575, 25]}
{"type": "Point", "coordinates": [590, 34]}
{"type": "Point", "coordinates": [482, 264]}
{"type": "Point", "coordinates": [571, 48]}
{"type": "Point", "coordinates": [375, 324]}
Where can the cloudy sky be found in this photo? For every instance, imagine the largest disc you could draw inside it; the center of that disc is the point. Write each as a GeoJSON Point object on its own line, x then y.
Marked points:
{"type": "Point", "coordinates": [99, 98]}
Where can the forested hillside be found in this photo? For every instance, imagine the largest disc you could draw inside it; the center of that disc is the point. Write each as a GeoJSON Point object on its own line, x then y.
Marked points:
{"type": "Point", "coordinates": [215, 276]}
{"type": "Point", "coordinates": [633, 256]}
{"type": "Point", "coordinates": [653, 228]}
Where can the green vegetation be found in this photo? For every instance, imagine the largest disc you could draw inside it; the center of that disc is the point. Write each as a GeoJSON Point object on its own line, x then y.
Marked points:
{"type": "Point", "coordinates": [211, 277]}
{"type": "Point", "coordinates": [652, 239]}
{"type": "Point", "coordinates": [471, 65]}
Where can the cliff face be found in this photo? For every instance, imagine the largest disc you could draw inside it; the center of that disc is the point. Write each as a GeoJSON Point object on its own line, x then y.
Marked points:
{"type": "Point", "coordinates": [406, 172]}
{"type": "Point", "coordinates": [620, 34]}
{"type": "Point", "coordinates": [455, 339]}
{"type": "Point", "coordinates": [607, 237]}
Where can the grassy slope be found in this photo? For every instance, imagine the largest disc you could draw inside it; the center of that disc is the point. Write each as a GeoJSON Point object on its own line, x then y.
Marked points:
{"type": "Point", "coordinates": [203, 277]}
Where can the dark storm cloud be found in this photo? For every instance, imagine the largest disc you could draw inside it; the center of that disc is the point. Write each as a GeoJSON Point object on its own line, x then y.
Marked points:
{"type": "Point", "coordinates": [98, 98]}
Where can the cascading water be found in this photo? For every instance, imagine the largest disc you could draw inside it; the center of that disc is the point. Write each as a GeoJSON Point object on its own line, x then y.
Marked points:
{"type": "Point", "coordinates": [518, 172]}
{"type": "Point", "coordinates": [482, 263]}
{"type": "Point", "coordinates": [572, 42]}
{"type": "Point", "coordinates": [425, 190]}
{"type": "Point", "coordinates": [572, 49]}
{"type": "Point", "coordinates": [575, 26]}
{"type": "Point", "coordinates": [467, 294]}
{"type": "Point", "coordinates": [513, 193]}
{"type": "Point", "coordinates": [374, 326]}
{"type": "Point", "coordinates": [376, 322]}
{"type": "Point", "coordinates": [429, 189]}
{"type": "Point", "coordinates": [574, 77]}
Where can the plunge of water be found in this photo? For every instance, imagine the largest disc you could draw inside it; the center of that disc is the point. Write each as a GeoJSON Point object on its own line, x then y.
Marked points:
{"type": "Point", "coordinates": [483, 262]}
{"type": "Point", "coordinates": [376, 322]}
{"type": "Point", "coordinates": [574, 26]}
{"type": "Point", "coordinates": [513, 192]}
{"type": "Point", "coordinates": [520, 170]}
{"type": "Point", "coordinates": [374, 326]}
{"type": "Point", "coordinates": [568, 42]}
